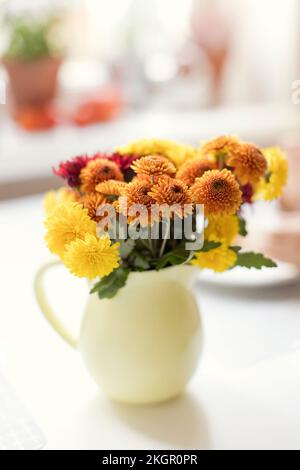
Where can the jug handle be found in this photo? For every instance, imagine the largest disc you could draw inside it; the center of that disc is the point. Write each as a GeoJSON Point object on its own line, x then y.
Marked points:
{"type": "Point", "coordinates": [45, 307]}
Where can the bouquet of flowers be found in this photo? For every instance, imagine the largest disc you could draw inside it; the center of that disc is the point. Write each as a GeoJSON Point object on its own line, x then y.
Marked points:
{"type": "Point", "coordinates": [154, 204]}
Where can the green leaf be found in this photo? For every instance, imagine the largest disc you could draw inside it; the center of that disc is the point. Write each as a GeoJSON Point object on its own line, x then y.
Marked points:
{"type": "Point", "coordinates": [180, 255]}
{"type": "Point", "coordinates": [243, 227]}
{"type": "Point", "coordinates": [209, 245]}
{"type": "Point", "coordinates": [177, 256]}
{"type": "Point", "coordinates": [254, 260]}
{"type": "Point", "coordinates": [109, 285]}
{"type": "Point", "coordinates": [236, 249]}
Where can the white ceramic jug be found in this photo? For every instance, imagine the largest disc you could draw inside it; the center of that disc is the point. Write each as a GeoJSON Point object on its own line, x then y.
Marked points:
{"type": "Point", "coordinates": [143, 345]}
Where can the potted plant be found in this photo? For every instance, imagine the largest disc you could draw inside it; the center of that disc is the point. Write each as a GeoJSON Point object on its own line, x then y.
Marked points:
{"type": "Point", "coordinates": [32, 59]}
{"type": "Point", "coordinates": [139, 224]}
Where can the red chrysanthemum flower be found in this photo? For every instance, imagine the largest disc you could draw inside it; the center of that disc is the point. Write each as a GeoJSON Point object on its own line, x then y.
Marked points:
{"type": "Point", "coordinates": [247, 193]}
{"type": "Point", "coordinates": [70, 170]}
{"type": "Point", "coordinates": [123, 161]}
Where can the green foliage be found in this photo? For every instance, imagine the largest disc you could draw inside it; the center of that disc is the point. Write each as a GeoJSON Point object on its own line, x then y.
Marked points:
{"type": "Point", "coordinates": [178, 255]}
{"type": "Point", "coordinates": [210, 245]}
{"type": "Point", "coordinates": [109, 285]}
{"type": "Point", "coordinates": [254, 260]}
{"type": "Point", "coordinates": [139, 256]}
{"type": "Point", "coordinates": [237, 249]}
{"type": "Point", "coordinates": [145, 255]}
{"type": "Point", "coordinates": [30, 39]}
{"type": "Point", "coordinates": [126, 247]}
{"type": "Point", "coordinates": [140, 261]}
{"type": "Point", "coordinates": [243, 227]}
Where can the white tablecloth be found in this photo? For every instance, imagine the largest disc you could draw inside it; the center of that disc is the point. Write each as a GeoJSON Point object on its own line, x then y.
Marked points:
{"type": "Point", "coordinates": [244, 395]}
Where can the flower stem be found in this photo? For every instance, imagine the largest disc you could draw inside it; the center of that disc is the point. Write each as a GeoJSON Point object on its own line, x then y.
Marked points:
{"type": "Point", "coordinates": [191, 255]}
{"type": "Point", "coordinates": [163, 245]}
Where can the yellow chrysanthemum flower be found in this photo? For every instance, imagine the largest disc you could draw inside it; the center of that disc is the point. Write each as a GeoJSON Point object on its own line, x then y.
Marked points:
{"type": "Point", "coordinates": [222, 228]}
{"type": "Point", "coordinates": [92, 257]}
{"type": "Point", "coordinates": [67, 222]}
{"type": "Point", "coordinates": [177, 153]}
{"type": "Point", "coordinates": [53, 198]}
{"type": "Point", "coordinates": [271, 185]}
{"type": "Point", "coordinates": [219, 260]}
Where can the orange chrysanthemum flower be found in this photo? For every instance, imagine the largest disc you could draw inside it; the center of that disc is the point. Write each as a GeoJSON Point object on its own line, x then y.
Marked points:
{"type": "Point", "coordinates": [195, 168]}
{"type": "Point", "coordinates": [249, 163]}
{"type": "Point", "coordinates": [97, 171]}
{"type": "Point", "coordinates": [223, 145]}
{"type": "Point", "coordinates": [136, 193]}
{"type": "Point", "coordinates": [110, 187]}
{"type": "Point", "coordinates": [91, 202]}
{"type": "Point", "coordinates": [153, 165]}
{"type": "Point", "coordinates": [172, 192]}
{"type": "Point", "coordinates": [218, 191]}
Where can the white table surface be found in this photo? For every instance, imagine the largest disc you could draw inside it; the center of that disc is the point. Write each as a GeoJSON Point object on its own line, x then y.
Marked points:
{"type": "Point", "coordinates": [246, 393]}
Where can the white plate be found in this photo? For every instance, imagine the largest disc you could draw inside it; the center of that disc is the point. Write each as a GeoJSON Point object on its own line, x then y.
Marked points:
{"type": "Point", "coordinates": [241, 277]}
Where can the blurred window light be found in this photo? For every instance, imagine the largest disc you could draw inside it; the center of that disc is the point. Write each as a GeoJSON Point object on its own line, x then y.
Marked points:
{"type": "Point", "coordinates": [174, 16]}
{"type": "Point", "coordinates": [160, 67]}
{"type": "Point", "coordinates": [34, 6]}
{"type": "Point", "coordinates": [104, 19]}
{"type": "Point", "coordinates": [82, 75]}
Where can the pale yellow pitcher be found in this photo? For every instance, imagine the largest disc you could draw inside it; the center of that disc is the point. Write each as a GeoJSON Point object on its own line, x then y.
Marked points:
{"type": "Point", "coordinates": [143, 345]}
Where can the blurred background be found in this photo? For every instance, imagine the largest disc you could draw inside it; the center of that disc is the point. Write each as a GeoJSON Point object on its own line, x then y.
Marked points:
{"type": "Point", "coordinates": [82, 76]}
{"type": "Point", "coordinates": [88, 75]}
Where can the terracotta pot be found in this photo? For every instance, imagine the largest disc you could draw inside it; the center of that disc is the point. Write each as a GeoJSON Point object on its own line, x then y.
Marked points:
{"type": "Point", "coordinates": [32, 83]}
